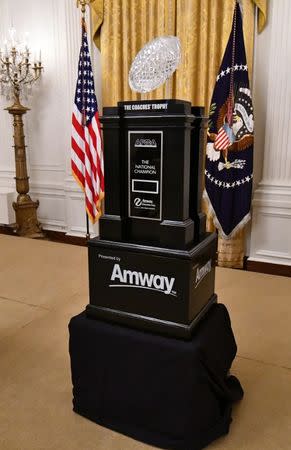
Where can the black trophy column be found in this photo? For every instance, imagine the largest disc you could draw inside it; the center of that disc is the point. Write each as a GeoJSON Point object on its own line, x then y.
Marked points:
{"type": "Point", "coordinates": [183, 221]}
{"type": "Point", "coordinates": [198, 143]}
{"type": "Point", "coordinates": [153, 158]}
{"type": "Point", "coordinates": [112, 222]}
{"type": "Point", "coordinates": [177, 228]}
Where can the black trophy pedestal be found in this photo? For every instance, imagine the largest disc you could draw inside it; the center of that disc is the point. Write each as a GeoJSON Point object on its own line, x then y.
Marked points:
{"type": "Point", "coordinates": [151, 276]}
{"type": "Point", "coordinates": [156, 289]}
{"type": "Point", "coordinates": [153, 266]}
{"type": "Point", "coordinates": [163, 391]}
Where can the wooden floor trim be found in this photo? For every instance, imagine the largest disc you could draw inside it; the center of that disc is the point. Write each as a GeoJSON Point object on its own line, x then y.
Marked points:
{"type": "Point", "coordinates": [54, 236]}
{"type": "Point", "coordinates": [269, 268]}
{"type": "Point", "coordinates": [58, 236]}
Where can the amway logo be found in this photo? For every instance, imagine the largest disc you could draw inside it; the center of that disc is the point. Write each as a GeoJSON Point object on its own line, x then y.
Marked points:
{"type": "Point", "coordinates": [202, 272]}
{"type": "Point", "coordinates": [131, 278]}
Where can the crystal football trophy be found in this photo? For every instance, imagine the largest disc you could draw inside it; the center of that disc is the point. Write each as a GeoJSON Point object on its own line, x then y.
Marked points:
{"type": "Point", "coordinates": [154, 64]}
{"type": "Point", "coordinates": [153, 266]}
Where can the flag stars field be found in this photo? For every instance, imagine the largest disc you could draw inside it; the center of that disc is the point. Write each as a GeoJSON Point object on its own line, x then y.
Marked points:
{"type": "Point", "coordinates": [228, 70]}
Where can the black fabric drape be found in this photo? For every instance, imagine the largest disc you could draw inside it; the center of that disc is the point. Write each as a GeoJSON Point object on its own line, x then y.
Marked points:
{"type": "Point", "coordinates": [163, 391]}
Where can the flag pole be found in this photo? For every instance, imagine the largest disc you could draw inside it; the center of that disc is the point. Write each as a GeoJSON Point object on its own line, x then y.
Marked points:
{"type": "Point", "coordinates": [83, 4]}
{"type": "Point", "coordinates": [87, 228]}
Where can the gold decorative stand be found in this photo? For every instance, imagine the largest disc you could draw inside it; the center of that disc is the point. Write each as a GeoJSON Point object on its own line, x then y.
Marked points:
{"type": "Point", "coordinates": [25, 208]}
{"type": "Point", "coordinates": [18, 74]}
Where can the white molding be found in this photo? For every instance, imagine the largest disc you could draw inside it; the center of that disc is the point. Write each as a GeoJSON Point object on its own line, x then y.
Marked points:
{"type": "Point", "coordinates": [7, 172]}
{"type": "Point", "coordinates": [271, 225]}
{"type": "Point", "coordinates": [274, 211]}
{"type": "Point", "coordinates": [47, 167]}
{"type": "Point", "coordinates": [49, 194]}
{"type": "Point", "coordinates": [271, 259]}
{"type": "Point", "coordinates": [269, 253]}
{"type": "Point", "coordinates": [7, 197]}
{"type": "Point", "coordinates": [270, 238]}
{"type": "Point", "coordinates": [73, 195]}
{"type": "Point", "coordinates": [54, 225]}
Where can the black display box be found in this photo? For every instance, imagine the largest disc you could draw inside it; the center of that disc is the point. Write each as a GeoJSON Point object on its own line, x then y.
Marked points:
{"type": "Point", "coordinates": [152, 288]}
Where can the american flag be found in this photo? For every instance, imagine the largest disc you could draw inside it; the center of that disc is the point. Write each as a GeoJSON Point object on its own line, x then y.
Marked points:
{"type": "Point", "coordinates": [86, 148]}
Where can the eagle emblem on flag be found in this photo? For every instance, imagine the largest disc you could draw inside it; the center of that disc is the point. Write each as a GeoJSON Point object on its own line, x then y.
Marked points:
{"type": "Point", "coordinates": [229, 150]}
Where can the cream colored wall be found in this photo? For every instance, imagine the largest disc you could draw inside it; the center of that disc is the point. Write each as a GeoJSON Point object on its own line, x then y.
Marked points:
{"type": "Point", "coordinates": [271, 224]}
{"type": "Point", "coordinates": [54, 26]}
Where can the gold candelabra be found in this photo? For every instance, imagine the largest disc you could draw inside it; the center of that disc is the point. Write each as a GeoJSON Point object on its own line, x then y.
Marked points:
{"type": "Point", "coordinates": [17, 75]}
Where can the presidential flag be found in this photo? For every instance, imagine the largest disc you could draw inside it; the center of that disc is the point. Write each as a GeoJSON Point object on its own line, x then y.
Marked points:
{"type": "Point", "coordinates": [229, 151]}
{"type": "Point", "coordinates": [86, 142]}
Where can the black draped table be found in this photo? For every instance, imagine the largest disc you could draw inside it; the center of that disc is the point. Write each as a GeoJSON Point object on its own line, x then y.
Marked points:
{"type": "Point", "coordinates": [166, 392]}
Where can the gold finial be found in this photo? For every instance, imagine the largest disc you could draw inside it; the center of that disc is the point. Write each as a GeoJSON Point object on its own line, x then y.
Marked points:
{"type": "Point", "coordinates": [83, 4]}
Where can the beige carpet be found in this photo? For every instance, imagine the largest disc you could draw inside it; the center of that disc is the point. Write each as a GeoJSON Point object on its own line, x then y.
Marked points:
{"type": "Point", "coordinates": [43, 284]}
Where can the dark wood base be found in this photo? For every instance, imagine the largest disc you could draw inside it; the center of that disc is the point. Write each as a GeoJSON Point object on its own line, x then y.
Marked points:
{"type": "Point", "coordinates": [59, 236]}
{"type": "Point", "coordinates": [268, 268]}
{"type": "Point", "coordinates": [8, 229]}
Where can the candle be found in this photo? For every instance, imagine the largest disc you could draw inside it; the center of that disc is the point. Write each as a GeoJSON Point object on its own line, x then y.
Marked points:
{"type": "Point", "coordinates": [12, 32]}
{"type": "Point", "coordinates": [6, 49]}
{"type": "Point", "coordinates": [39, 56]}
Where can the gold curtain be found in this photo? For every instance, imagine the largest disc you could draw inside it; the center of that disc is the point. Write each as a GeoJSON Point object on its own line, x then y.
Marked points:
{"type": "Point", "coordinates": [203, 27]}
{"type": "Point", "coordinates": [262, 17]}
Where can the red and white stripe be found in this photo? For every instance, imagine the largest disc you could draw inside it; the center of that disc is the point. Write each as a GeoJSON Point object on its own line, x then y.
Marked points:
{"type": "Point", "coordinates": [87, 161]}
{"type": "Point", "coordinates": [222, 141]}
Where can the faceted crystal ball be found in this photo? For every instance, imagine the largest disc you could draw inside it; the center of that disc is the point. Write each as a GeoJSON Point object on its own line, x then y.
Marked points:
{"type": "Point", "coordinates": [154, 63]}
